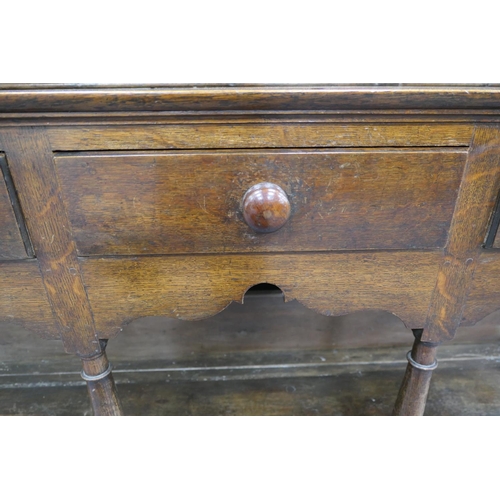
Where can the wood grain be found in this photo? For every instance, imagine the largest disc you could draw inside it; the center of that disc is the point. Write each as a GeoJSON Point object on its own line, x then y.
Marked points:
{"type": "Point", "coordinates": [245, 98]}
{"type": "Point", "coordinates": [257, 135]}
{"type": "Point", "coordinates": [11, 242]}
{"type": "Point", "coordinates": [184, 287]}
{"type": "Point", "coordinates": [23, 299]}
{"type": "Point", "coordinates": [31, 163]}
{"type": "Point", "coordinates": [475, 204]}
{"type": "Point", "coordinates": [102, 392]}
{"type": "Point", "coordinates": [484, 295]}
{"type": "Point", "coordinates": [414, 390]}
{"type": "Point", "coordinates": [162, 170]}
{"type": "Point", "coordinates": [190, 202]}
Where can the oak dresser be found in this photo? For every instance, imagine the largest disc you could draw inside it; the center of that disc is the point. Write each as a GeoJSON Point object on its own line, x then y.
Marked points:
{"type": "Point", "coordinates": [123, 202]}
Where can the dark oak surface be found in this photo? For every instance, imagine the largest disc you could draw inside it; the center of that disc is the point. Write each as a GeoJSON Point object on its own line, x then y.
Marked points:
{"type": "Point", "coordinates": [32, 166]}
{"type": "Point", "coordinates": [484, 294]}
{"type": "Point", "coordinates": [23, 299]}
{"type": "Point", "coordinates": [478, 193]}
{"type": "Point", "coordinates": [191, 202]}
{"type": "Point", "coordinates": [132, 198]}
{"type": "Point", "coordinates": [230, 133]}
{"type": "Point", "coordinates": [414, 389]}
{"type": "Point", "coordinates": [184, 287]}
{"type": "Point", "coordinates": [248, 98]}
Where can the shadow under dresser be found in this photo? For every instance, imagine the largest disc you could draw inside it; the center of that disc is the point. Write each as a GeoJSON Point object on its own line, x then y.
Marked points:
{"type": "Point", "coordinates": [123, 202]}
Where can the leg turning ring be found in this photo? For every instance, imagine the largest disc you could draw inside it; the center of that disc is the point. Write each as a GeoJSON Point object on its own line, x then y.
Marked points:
{"type": "Point", "coordinates": [93, 378]}
{"type": "Point", "coordinates": [412, 362]}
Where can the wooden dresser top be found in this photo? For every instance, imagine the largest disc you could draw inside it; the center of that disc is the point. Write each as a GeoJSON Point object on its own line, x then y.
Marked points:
{"type": "Point", "coordinates": [53, 98]}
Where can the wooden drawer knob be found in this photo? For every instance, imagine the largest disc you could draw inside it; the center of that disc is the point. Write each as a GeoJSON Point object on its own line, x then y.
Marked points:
{"type": "Point", "coordinates": [266, 207]}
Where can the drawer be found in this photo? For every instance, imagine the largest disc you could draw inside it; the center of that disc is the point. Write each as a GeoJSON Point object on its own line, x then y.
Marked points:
{"type": "Point", "coordinates": [191, 201]}
{"type": "Point", "coordinates": [11, 243]}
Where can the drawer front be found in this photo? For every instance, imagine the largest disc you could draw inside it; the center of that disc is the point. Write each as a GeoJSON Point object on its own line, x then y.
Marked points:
{"type": "Point", "coordinates": [11, 242]}
{"type": "Point", "coordinates": [191, 202]}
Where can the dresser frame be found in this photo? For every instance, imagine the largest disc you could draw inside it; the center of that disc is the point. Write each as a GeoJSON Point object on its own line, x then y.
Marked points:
{"type": "Point", "coordinates": [56, 292]}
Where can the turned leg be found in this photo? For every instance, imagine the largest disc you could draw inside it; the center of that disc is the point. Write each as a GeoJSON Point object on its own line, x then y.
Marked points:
{"type": "Point", "coordinates": [415, 387]}
{"type": "Point", "coordinates": [100, 384]}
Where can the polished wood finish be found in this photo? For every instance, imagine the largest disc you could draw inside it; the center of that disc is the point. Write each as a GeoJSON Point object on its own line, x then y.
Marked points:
{"type": "Point", "coordinates": [262, 132]}
{"type": "Point", "coordinates": [484, 294]}
{"type": "Point", "coordinates": [133, 203]}
{"type": "Point", "coordinates": [478, 193]}
{"type": "Point", "coordinates": [101, 385]}
{"type": "Point", "coordinates": [23, 299]}
{"type": "Point", "coordinates": [31, 162]}
{"type": "Point", "coordinates": [122, 289]}
{"type": "Point", "coordinates": [249, 98]}
{"type": "Point", "coordinates": [190, 202]}
{"type": "Point", "coordinates": [265, 207]}
{"type": "Point", "coordinates": [415, 386]}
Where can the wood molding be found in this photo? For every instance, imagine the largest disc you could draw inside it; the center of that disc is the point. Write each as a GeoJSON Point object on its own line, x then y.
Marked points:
{"type": "Point", "coordinates": [247, 98]}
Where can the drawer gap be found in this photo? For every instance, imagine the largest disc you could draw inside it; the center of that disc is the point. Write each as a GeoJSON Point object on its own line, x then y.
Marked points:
{"type": "Point", "coordinates": [355, 149]}
{"type": "Point", "coordinates": [16, 206]}
{"type": "Point", "coordinates": [361, 251]}
{"type": "Point", "coordinates": [493, 228]}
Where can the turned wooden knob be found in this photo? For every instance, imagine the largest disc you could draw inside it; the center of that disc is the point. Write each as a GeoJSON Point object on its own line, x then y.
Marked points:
{"type": "Point", "coordinates": [266, 207]}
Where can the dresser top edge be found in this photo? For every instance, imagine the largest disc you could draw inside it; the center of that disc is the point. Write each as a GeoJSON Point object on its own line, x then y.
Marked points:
{"type": "Point", "coordinates": [50, 98]}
